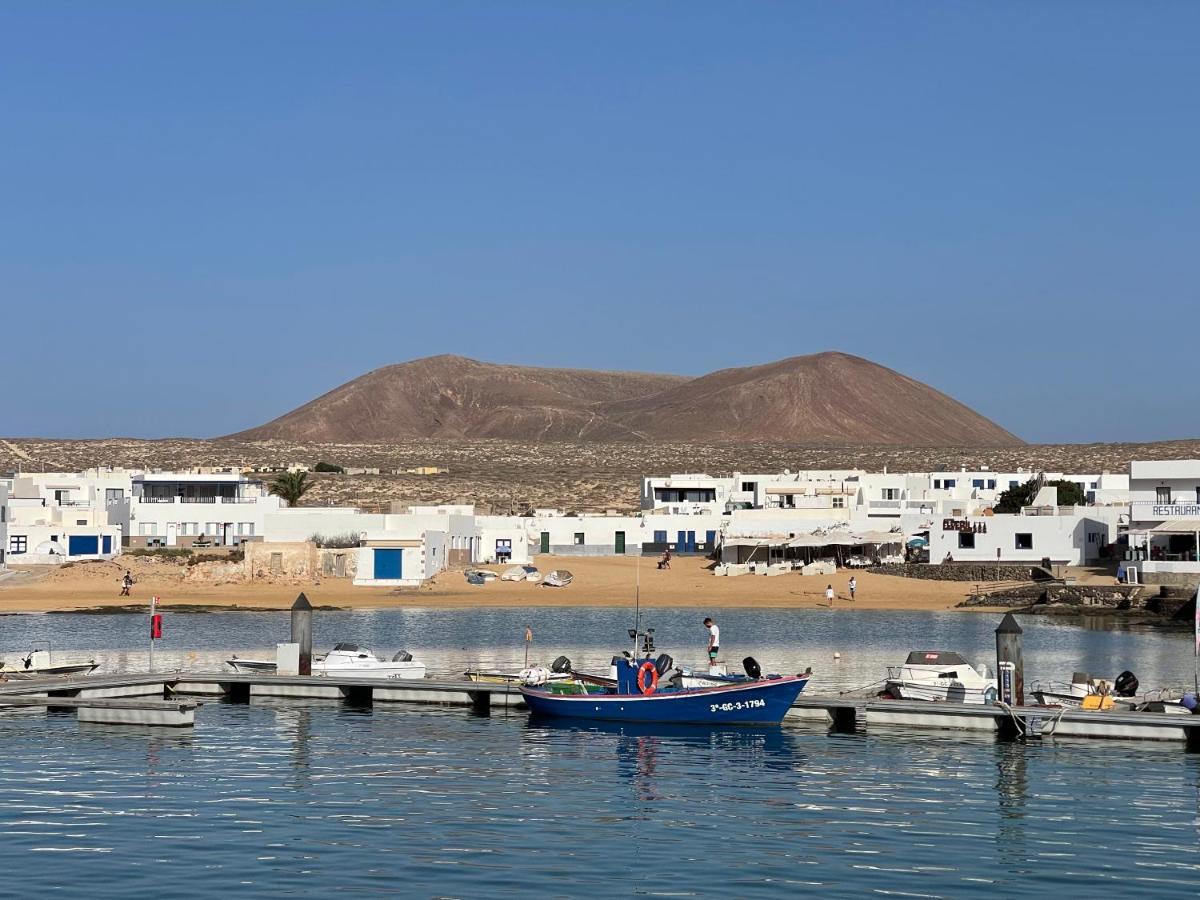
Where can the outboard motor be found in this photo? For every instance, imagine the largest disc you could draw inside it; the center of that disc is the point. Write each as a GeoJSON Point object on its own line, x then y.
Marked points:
{"type": "Point", "coordinates": [561, 665]}
{"type": "Point", "coordinates": [753, 669]}
{"type": "Point", "coordinates": [664, 664]}
{"type": "Point", "coordinates": [1126, 684]}
{"type": "Point", "coordinates": [402, 656]}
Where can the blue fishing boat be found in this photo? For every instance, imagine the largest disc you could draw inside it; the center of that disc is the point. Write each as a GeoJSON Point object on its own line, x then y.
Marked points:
{"type": "Point", "coordinates": [637, 697]}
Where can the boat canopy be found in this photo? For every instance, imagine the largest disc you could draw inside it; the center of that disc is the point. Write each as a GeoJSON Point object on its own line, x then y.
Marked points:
{"type": "Point", "coordinates": [347, 648]}
{"type": "Point", "coordinates": [935, 658]}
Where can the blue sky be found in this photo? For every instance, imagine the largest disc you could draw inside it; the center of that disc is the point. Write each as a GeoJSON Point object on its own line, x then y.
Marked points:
{"type": "Point", "coordinates": [212, 212]}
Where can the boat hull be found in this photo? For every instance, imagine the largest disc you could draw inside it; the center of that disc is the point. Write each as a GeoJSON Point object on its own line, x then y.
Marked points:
{"type": "Point", "coordinates": [763, 702]}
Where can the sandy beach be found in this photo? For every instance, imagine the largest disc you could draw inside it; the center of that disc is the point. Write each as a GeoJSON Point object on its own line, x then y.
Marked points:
{"type": "Point", "coordinates": [599, 581]}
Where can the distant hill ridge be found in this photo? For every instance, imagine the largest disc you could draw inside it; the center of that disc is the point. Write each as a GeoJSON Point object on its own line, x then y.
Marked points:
{"type": "Point", "coordinates": [824, 398]}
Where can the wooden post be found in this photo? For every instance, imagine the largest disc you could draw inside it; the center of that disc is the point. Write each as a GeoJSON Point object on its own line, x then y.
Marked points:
{"type": "Point", "coordinates": [302, 632]}
{"type": "Point", "coordinates": [1010, 665]}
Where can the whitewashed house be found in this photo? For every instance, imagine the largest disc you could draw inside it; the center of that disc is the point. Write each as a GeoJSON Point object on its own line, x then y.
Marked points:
{"type": "Point", "coordinates": [40, 530]}
{"type": "Point", "coordinates": [187, 509]}
{"type": "Point", "coordinates": [1164, 520]}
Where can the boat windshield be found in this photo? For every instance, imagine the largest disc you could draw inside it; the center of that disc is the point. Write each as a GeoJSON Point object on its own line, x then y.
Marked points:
{"type": "Point", "coordinates": [346, 648]}
{"type": "Point", "coordinates": [935, 658]}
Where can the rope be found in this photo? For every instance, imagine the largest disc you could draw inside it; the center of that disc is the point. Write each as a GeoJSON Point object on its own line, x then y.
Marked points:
{"type": "Point", "coordinates": [865, 687]}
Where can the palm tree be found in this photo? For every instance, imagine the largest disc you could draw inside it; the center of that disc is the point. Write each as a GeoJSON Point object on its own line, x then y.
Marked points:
{"type": "Point", "coordinates": [290, 486]}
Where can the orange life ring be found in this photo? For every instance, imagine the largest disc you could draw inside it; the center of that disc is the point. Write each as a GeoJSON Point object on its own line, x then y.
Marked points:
{"type": "Point", "coordinates": [649, 689]}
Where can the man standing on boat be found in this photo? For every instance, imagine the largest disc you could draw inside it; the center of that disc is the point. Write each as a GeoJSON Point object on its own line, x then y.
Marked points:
{"type": "Point", "coordinates": [714, 640]}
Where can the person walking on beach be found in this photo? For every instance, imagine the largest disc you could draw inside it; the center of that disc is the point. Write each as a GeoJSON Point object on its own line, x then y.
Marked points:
{"type": "Point", "coordinates": [853, 586]}
{"type": "Point", "coordinates": [714, 640]}
{"type": "Point", "coordinates": [126, 584]}
{"type": "Point", "coordinates": [829, 595]}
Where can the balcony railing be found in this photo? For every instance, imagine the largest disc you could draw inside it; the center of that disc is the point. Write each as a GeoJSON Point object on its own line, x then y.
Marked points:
{"type": "Point", "coordinates": [240, 499]}
{"type": "Point", "coordinates": [197, 499]}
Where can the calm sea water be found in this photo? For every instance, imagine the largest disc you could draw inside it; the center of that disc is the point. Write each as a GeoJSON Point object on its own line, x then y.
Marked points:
{"type": "Point", "coordinates": [304, 799]}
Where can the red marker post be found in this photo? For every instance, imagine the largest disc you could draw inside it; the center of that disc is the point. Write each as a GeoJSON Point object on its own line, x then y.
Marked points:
{"type": "Point", "coordinates": [155, 628]}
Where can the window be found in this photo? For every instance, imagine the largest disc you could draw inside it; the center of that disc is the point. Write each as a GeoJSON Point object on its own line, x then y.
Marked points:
{"type": "Point", "coordinates": [1013, 484]}
{"type": "Point", "coordinates": [749, 486]}
{"type": "Point", "coordinates": [17, 543]}
{"type": "Point", "coordinates": [1197, 498]}
{"type": "Point", "coordinates": [1093, 537]}
{"type": "Point", "coordinates": [891, 493]}
{"type": "Point", "coordinates": [578, 538]}
{"type": "Point", "coordinates": [113, 495]}
{"type": "Point", "coordinates": [212, 529]}
{"type": "Point", "coordinates": [246, 529]}
{"type": "Point", "coordinates": [148, 528]}
{"type": "Point", "coordinates": [1093, 485]}
{"type": "Point", "coordinates": [660, 537]}
{"type": "Point", "coordinates": [1024, 541]}
{"type": "Point", "coordinates": [949, 483]}
{"type": "Point", "coordinates": [1162, 496]}
{"type": "Point", "coordinates": [937, 484]}
{"type": "Point", "coordinates": [81, 521]}
{"type": "Point", "coordinates": [966, 540]}
{"type": "Point", "coordinates": [991, 484]}
{"type": "Point", "coordinates": [839, 502]}
{"type": "Point", "coordinates": [977, 483]}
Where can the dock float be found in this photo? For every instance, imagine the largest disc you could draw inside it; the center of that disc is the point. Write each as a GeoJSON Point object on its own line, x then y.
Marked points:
{"type": "Point", "coordinates": [155, 699]}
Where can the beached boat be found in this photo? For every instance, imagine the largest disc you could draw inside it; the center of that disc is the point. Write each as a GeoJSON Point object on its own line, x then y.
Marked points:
{"type": "Point", "coordinates": [558, 578]}
{"type": "Point", "coordinates": [637, 697]}
{"type": "Point", "coordinates": [41, 663]}
{"type": "Point", "coordinates": [346, 660]}
{"type": "Point", "coordinates": [939, 675]}
{"type": "Point", "coordinates": [521, 573]}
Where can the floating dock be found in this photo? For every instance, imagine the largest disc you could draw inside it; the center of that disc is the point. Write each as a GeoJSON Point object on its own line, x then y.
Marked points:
{"type": "Point", "coordinates": [169, 699]}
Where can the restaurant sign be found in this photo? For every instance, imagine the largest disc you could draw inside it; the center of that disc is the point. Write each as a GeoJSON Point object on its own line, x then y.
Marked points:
{"type": "Point", "coordinates": [1177, 511]}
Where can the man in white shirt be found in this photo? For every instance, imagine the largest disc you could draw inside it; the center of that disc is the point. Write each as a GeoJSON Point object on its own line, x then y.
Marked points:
{"type": "Point", "coordinates": [714, 639]}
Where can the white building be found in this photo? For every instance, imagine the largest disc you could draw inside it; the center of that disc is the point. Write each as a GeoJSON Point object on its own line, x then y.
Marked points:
{"type": "Point", "coordinates": [185, 509]}
{"type": "Point", "coordinates": [1164, 526]}
{"type": "Point", "coordinates": [40, 531]}
{"type": "Point", "coordinates": [1071, 536]}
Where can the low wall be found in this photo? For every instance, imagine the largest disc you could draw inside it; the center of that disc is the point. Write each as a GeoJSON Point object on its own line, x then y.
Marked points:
{"type": "Point", "coordinates": [977, 572]}
{"type": "Point", "coordinates": [1171, 579]}
{"type": "Point", "coordinates": [1118, 596]}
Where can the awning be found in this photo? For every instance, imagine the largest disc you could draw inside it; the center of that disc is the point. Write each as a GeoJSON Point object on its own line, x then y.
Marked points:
{"type": "Point", "coordinates": [880, 537]}
{"type": "Point", "coordinates": [1175, 526]}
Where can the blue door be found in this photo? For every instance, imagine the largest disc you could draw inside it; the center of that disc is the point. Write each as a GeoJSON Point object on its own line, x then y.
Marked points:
{"type": "Point", "coordinates": [681, 543]}
{"type": "Point", "coordinates": [691, 542]}
{"type": "Point", "coordinates": [387, 564]}
{"type": "Point", "coordinates": [107, 544]}
{"type": "Point", "coordinates": [83, 544]}
{"type": "Point", "coordinates": [710, 540]}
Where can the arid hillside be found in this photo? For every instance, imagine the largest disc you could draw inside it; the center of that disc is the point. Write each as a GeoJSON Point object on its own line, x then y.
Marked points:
{"type": "Point", "coordinates": [822, 399]}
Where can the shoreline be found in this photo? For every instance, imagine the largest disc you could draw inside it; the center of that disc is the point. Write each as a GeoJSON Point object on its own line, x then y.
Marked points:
{"type": "Point", "coordinates": [599, 582]}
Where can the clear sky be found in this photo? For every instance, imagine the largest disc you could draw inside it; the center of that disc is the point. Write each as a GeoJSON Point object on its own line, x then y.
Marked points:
{"type": "Point", "coordinates": [212, 212]}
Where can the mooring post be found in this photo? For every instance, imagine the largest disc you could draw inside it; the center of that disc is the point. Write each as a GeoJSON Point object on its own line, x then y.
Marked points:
{"type": "Point", "coordinates": [302, 632]}
{"type": "Point", "coordinates": [1010, 665]}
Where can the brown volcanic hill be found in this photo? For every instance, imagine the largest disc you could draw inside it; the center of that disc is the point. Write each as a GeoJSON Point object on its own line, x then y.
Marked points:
{"type": "Point", "coordinates": [452, 396]}
{"type": "Point", "coordinates": [825, 398]}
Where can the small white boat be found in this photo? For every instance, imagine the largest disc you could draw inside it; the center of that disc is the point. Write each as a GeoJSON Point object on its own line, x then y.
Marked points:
{"type": "Point", "coordinates": [345, 660]}
{"type": "Point", "coordinates": [1121, 691]}
{"type": "Point", "coordinates": [521, 573]}
{"type": "Point", "coordinates": [939, 675]}
{"type": "Point", "coordinates": [558, 578]}
{"type": "Point", "coordinates": [484, 574]}
{"type": "Point", "coordinates": [41, 663]}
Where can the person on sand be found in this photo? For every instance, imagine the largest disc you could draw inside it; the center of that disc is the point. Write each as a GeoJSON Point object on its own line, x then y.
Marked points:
{"type": "Point", "coordinates": [714, 640]}
{"type": "Point", "coordinates": [126, 584]}
{"type": "Point", "coordinates": [853, 586]}
{"type": "Point", "coordinates": [829, 594]}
